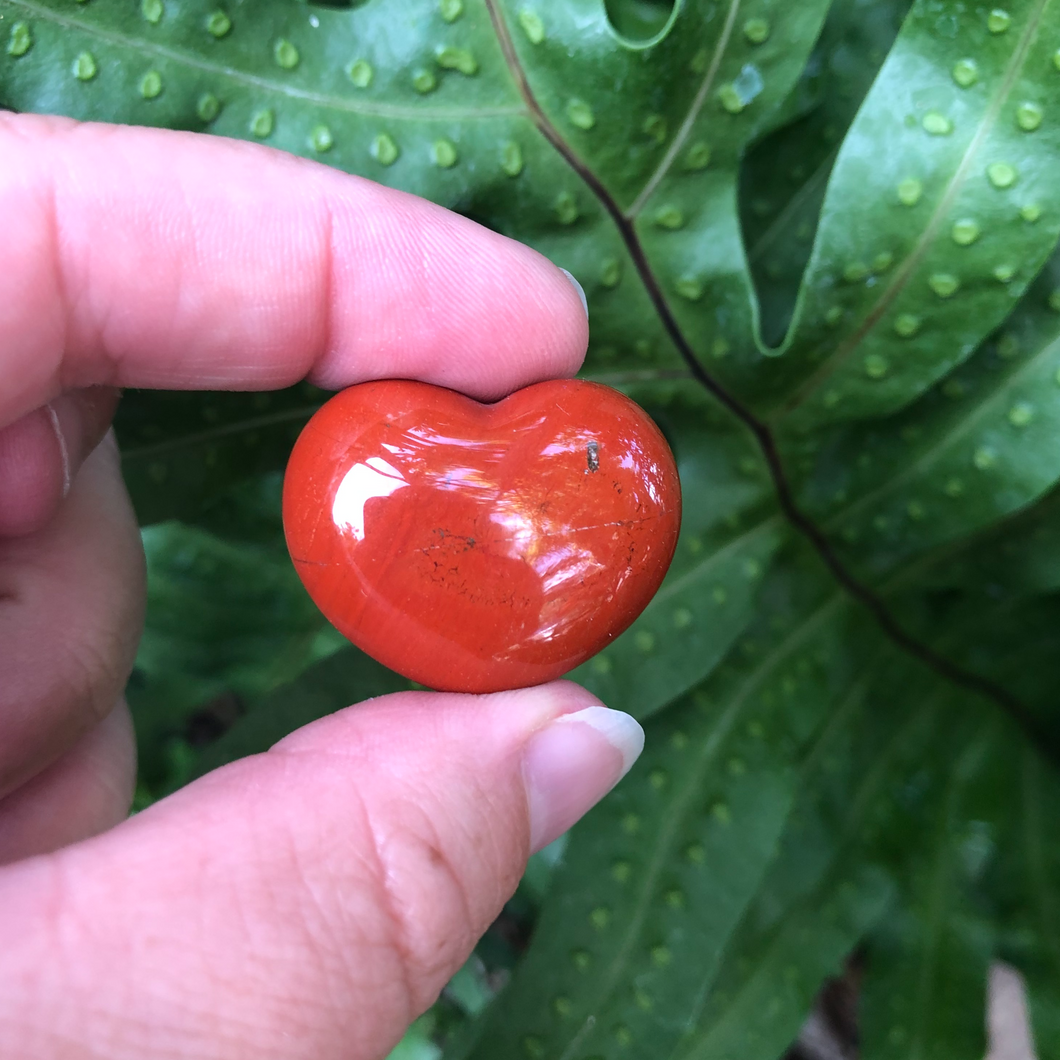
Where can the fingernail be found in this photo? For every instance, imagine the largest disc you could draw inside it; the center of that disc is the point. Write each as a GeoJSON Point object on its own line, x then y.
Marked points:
{"type": "Point", "coordinates": [571, 764]}
{"type": "Point", "coordinates": [578, 287]}
{"type": "Point", "coordinates": [64, 451]}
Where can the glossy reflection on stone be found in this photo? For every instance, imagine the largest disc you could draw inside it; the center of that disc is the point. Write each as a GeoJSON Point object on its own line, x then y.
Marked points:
{"type": "Point", "coordinates": [477, 547]}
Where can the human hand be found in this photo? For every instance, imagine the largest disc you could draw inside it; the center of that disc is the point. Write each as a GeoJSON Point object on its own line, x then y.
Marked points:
{"type": "Point", "coordinates": [311, 901]}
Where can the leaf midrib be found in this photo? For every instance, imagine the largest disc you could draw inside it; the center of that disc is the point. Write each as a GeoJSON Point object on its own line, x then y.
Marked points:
{"type": "Point", "coordinates": [352, 106]}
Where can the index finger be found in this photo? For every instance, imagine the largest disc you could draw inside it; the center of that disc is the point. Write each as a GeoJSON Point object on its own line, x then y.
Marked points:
{"type": "Point", "coordinates": [148, 258]}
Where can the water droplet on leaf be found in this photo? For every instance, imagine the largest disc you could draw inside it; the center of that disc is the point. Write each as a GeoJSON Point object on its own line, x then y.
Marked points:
{"type": "Point", "coordinates": [689, 287]}
{"type": "Point", "coordinates": [600, 917]}
{"type": "Point", "coordinates": [151, 85]}
{"type": "Point", "coordinates": [443, 153]}
{"type": "Point", "coordinates": [698, 156]}
{"type": "Point", "coordinates": [876, 367]}
{"type": "Point", "coordinates": [20, 41]}
{"type": "Point", "coordinates": [532, 25]}
{"type": "Point", "coordinates": [984, 458]}
{"type": "Point", "coordinates": [384, 150]}
{"type": "Point", "coordinates": [580, 114]}
{"type": "Point", "coordinates": [1029, 116]}
{"type": "Point", "coordinates": [424, 81]}
{"type": "Point", "coordinates": [669, 217]}
{"type": "Point", "coordinates": [965, 72]}
{"type": "Point", "coordinates": [944, 284]}
{"type": "Point", "coordinates": [84, 67]}
{"type": "Point", "coordinates": [1021, 414]}
{"type": "Point", "coordinates": [512, 158]}
{"type": "Point", "coordinates": [937, 124]}
{"type": "Point", "coordinates": [208, 107]}
{"type": "Point", "coordinates": [660, 956]}
{"type": "Point", "coordinates": [218, 24]}
{"type": "Point", "coordinates": [285, 54]}
{"type": "Point", "coordinates": [451, 10]}
{"type": "Point", "coordinates": [1004, 273]}
{"type": "Point", "coordinates": [1031, 212]}
{"type": "Point", "coordinates": [756, 30]}
{"type": "Point", "coordinates": [965, 232]}
{"type": "Point", "coordinates": [910, 191]}
{"type": "Point", "coordinates": [906, 325]}
{"type": "Point", "coordinates": [459, 59]}
{"type": "Point", "coordinates": [1001, 174]}
{"type": "Point", "coordinates": [855, 272]}
{"type": "Point", "coordinates": [682, 618]}
{"type": "Point", "coordinates": [644, 640]}
{"type": "Point", "coordinates": [566, 208]}
{"type": "Point", "coordinates": [360, 72]}
{"type": "Point", "coordinates": [152, 11]}
{"type": "Point", "coordinates": [998, 20]}
{"type": "Point", "coordinates": [320, 139]}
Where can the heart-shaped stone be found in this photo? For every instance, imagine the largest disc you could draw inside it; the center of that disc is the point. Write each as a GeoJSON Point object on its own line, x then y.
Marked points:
{"type": "Point", "coordinates": [476, 547]}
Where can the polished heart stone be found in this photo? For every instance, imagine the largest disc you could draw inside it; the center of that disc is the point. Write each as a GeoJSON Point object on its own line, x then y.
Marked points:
{"type": "Point", "coordinates": [476, 547]}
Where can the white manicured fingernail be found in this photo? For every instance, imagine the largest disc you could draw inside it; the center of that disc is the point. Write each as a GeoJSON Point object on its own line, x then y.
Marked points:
{"type": "Point", "coordinates": [578, 287]}
{"type": "Point", "coordinates": [64, 451]}
{"type": "Point", "coordinates": [572, 763]}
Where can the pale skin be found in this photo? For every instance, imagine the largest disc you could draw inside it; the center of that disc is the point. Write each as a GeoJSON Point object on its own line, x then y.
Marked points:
{"type": "Point", "coordinates": [311, 901]}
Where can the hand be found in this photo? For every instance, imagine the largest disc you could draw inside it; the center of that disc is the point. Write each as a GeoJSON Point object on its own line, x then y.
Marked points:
{"type": "Point", "coordinates": [311, 901]}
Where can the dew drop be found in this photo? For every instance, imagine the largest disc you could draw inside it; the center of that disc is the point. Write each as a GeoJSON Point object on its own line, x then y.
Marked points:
{"type": "Point", "coordinates": [580, 114]}
{"type": "Point", "coordinates": [20, 41]}
{"type": "Point", "coordinates": [915, 511]}
{"type": "Point", "coordinates": [661, 956]}
{"type": "Point", "coordinates": [1001, 174]}
{"type": "Point", "coordinates": [998, 20]}
{"type": "Point", "coordinates": [532, 25]}
{"type": "Point", "coordinates": [623, 1035]}
{"type": "Point", "coordinates": [621, 871]}
{"type": "Point", "coordinates": [581, 959]}
{"type": "Point", "coordinates": [218, 24]}
{"type": "Point", "coordinates": [631, 824]}
{"type": "Point", "coordinates": [320, 139]}
{"type": "Point", "coordinates": [721, 813]}
{"type": "Point", "coordinates": [562, 1006]}
{"type": "Point", "coordinates": [944, 284]}
{"type": "Point", "coordinates": [954, 487]}
{"type": "Point", "coordinates": [424, 81]}
{"type": "Point", "coordinates": [601, 664]}
{"type": "Point", "coordinates": [689, 287]}
{"type": "Point", "coordinates": [285, 54]}
{"type": "Point", "coordinates": [669, 217]}
{"type": "Point", "coordinates": [831, 399]}
{"type": "Point", "coordinates": [876, 366]}
{"type": "Point", "coordinates": [756, 729]}
{"type": "Point", "coordinates": [883, 261]}
{"type": "Point", "coordinates": [751, 569]}
{"type": "Point", "coordinates": [696, 853]}
{"type": "Point", "coordinates": [644, 640]}
{"type": "Point", "coordinates": [643, 1001]}
{"type": "Point", "coordinates": [566, 208]}
{"type": "Point", "coordinates": [512, 158]}
{"type": "Point", "coordinates": [658, 779]}
{"type": "Point", "coordinates": [655, 126]}
{"type": "Point", "coordinates": [208, 107]}
{"type": "Point", "coordinates": [756, 30]}
{"type": "Point", "coordinates": [1004, 272]}
{"type": "Point", "coordinates": [384, 150]}
{"type": "Point", "coordinates": [965, 232]}
{"type": "Point", "coordinates": [965, 72]}
{"type": "Point", "coordinates": [1029, 116]}
{"type": "Point", "coordinates": [937, 124]}
{"type": "Point", "coordinates": [534, 1047]}
{"type": "Point", "coordinates": [675, 898]}
{"type": "Point", "coordinates": [600, 917]}
{"type": "Point", "coordinates": [730, 99]}
{"type": "Point", "coordinates": [719, 595]}
{"type": "Point", "coordinates": [1031, 213]}
{"type": "Point", "coordinates": [84, 68]}
{"type": "Point", "coordinates": [682, 618]}
{"type": "Point", "coordinates": [910, 191]}
{"type": "Point", "coordinates": [855, 272]}
{"type": "Point", "coordinates": [360, 72]}
{"type": "Point", "coordinates": [737, 767]}
{"type": "Point", "coordinates": [833, 316]}
{"type": "Point", "coordinates": [443, 153]}
{"type": "Point", "coordinates": [151, 85]}
{"type": "Point", "coordinates": [698, 156]}
{"type": "Point", "coordinates": [906, 325]}
{"type": "Point", "coordinates": [984, 458]}
{"type": "Point", "coordinates": [152, 11]}
{"type": "Point", "coordinates": [611, 272]}
{"type": "Point", "coordinates": [699, 62]}
{"type": "Point", "coordinates": [679, 740]}
{"type": "Point", "coordinates": [1021, 414]}
{"type": "Point", "coordinates": [451, 10]}
{"type": "Point", "coordinates": [459, 59]}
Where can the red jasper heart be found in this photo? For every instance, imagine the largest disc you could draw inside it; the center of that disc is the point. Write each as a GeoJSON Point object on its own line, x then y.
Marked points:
{"type": "Point", "coordinates": [477, 547]}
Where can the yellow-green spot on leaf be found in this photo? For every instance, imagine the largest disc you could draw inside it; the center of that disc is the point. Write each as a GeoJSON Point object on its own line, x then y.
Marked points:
{"type": "Point", "coordinates": [876, 366]}
{"type": "Point", "coordinates": [562, 1006]}
{"type": "Point", "coordinates": [658, 779]}
{"type": "Point", "coordinates": [720, 348]}
{"type": "Point", "coordinates": [883, 261]}
{"type": "Point", "coordinates": [384, 150]}
{"type": "Point", "coordinates": [1021, 414]}
{"type": "Point", "coordinates": [855, 272]}
{"type": "Point", "coordinates": [1031, 212]}
{"type": "Point", "coordinates": [631, 824]}
{"type": "Point", "coordinates": [915, 511]}
{"type": "Point", "coordinates": [965, 232]}
{"type": "Point", "coordinates": [699, 62]}
{"type": "Point", "coordinates": [718, 593]}
{"type": "Point", "coordinates": [1054, 301]}
{"type": "Point", "coordinates": [566, 207]}
{"type": "Point", "coordinates": [756, 30]}
{"type": "Point", "coordinates": [730, 99]}
{"type": "Point", "coordinates": [443, 153]}
{"type": "Point", "coordinates": [698, 156]}
{"type": "Point", "coordinates": [532, 25]}
{"type": "Point", "coordinates": [660, 956]}
{"type": "Point", "coordinates": [581, 959]}
{"type": "Point", "coordinates": [84, 67]}
{"type": "Point", "coordinates": [512, 158]}
{"type": "Point", "coordinates": [151, 85]}
{"type": "Point", "coordinates": [360, 72]}
{"type": "Point", "coordinates": [655, 126]}
{"type": "Point", "coordinates": [621, 871]}
{"type": "Point", "coordinates": [937, 124]}
{"type": "Point", "coordinates": [534, 1047]}
{"type": "Point", "coordinates": [669, 217]}
{"type": "Point", "coordinates": [208, 107]}
{"type": "Point", "coordinates": [984, 458]}
{"type": "Point", "coordinates": [1001, 174]}
{"type": "Point", "coordinates": [998, 20]}
{"type": "Point", "coordinates": [644, 640]}
{"type": "Point", "coordinates": [601, 664]}
{"type": "Point", "coordinates": [611, 272]}
{"type": "Point", "coordinates": [152, 11]}
{"type": "Point", "coordinates": [424, 81]}
{"type": "Point", "coordinates": [218, 24]}
{"type": "Point", "coordinates": [954, 487]}
{"type": "Point", "coordinates": [600, 917]}
{"type": "Point", "coordinates": [20, 41]}
{"type": "Point", "coordinates": [1029, 116]}
{"type": "Point", "coordinates": [833, 316]}
{"type": "Point", "coordinates": [261, 123]}
{"type": "Point", "coordinates": [459, 59]}
{"type": "Point", "coordinates": [721, 813]}
{"type": "Point", "coordinates": [623, 1035]}
{"type": "Point", "coordinates": [320, 139]}
{"type": "Point", "coordinates": [689, 287]}
{"type": "Point", "coordinates": [910, 191]}
{"type": "Point", "coordinates": [1004, 272]}
{"type": "Point", "coordinates": [580, 114]}
{"type": "Point", "coordinates": [451, 10]}
{"type": "Point", "coordinates": [944, 284]}
{"type": "Point", "coordinates": [965, 72]}
{"type": "Point", "coordinates": [285, 54]}
{"type": "Point", "coordinates": [906, 325]}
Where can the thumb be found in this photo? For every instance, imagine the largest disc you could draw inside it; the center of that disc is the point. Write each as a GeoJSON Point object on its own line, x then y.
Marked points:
{"type": "Point", "coordinates": [308, 902]}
